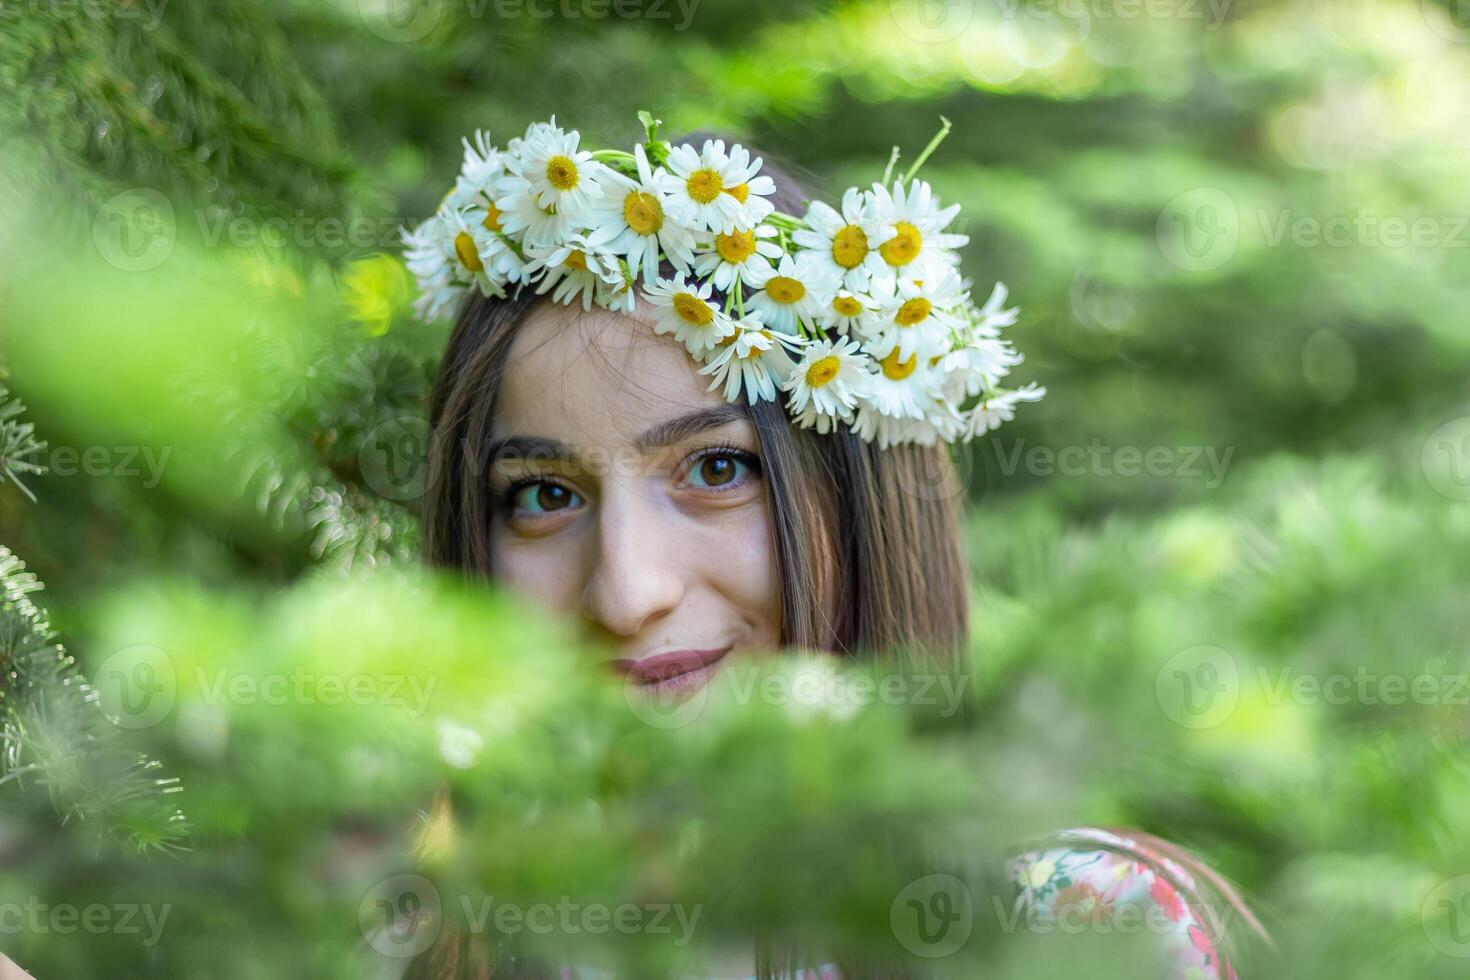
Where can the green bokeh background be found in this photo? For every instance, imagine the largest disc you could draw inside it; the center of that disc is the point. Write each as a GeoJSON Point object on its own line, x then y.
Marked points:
{"type": "Point", "coordinates": [1239, 234]}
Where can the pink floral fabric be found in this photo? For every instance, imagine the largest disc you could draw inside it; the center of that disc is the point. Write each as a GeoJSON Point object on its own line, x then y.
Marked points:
{"type": "Point", "coordinates": [1103, 879]}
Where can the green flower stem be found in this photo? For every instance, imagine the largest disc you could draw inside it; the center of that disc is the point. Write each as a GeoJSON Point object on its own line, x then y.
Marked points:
{"type": "Point", "coordinates": [933, 145]}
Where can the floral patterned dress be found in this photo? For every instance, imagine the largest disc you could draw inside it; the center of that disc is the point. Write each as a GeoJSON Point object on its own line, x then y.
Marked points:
{"type": "Point", "coordinates": [1100, 877]}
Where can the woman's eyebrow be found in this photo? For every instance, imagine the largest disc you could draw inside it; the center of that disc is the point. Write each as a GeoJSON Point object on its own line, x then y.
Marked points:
{"type": "Point", "coordinates": [676, 430]}
{"type": "Point", "coordinates": [666, 433]}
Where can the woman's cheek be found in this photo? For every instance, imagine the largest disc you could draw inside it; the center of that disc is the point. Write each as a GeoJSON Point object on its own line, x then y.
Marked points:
{"type": "Point", "coordinates": [543, 569]}
{"type": "Point", "coordinates": [739, 562]}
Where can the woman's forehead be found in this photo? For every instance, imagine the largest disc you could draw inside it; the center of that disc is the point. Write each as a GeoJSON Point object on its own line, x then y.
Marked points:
{"type": "Point", "coordinates": [595, 378]}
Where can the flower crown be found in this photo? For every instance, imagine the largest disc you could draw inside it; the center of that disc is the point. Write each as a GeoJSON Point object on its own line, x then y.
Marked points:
{"type": "Point", "coordinates": [859, 316]}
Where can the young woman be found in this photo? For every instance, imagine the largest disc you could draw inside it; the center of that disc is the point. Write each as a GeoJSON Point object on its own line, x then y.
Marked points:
{"type": "Point", "coordinates": [587, 454]}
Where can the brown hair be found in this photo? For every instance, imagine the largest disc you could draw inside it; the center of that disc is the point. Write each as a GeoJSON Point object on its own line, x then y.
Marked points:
{"type": "Point", "coordinates": [866, 539]}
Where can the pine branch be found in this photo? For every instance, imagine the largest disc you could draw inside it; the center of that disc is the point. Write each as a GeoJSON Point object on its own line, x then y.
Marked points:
{"type": "Point", "coordinates": [18, 444]}
{"type": "Point", "coordinates": [53, 734]}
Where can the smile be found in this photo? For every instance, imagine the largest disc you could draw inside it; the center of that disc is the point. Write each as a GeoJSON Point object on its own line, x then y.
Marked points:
{"type": "Point", "coordinates": [672, 669]}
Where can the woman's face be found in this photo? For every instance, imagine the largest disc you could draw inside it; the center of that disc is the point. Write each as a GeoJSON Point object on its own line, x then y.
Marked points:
{"type": "Point", "coordinates": [628, 492]}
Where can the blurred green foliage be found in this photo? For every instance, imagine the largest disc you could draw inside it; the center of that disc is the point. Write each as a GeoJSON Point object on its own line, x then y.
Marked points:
{"type": "Point", "coordinates": [1238, 234]}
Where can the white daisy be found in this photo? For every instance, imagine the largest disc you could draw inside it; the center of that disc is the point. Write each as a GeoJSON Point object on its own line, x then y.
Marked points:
{"type": "Point", "coordinates": [798, 288]}
{"type": "Point", "coordinates": [871, 425]}
{"type": "Point", "coordinates": [716, 191]}
{"type": "Point", "coordinates": [917, 315]}
{"type": "Point", "coordinates": [685, 311]}
{"type": "Point", "coordinates": [548, 166]}
{"type": "Point", "coordinates": [999, 408]}
{"type": "Point", "coordinates": [978, 366]}
{"type": "Point", "coordinates": [630, 220]}
{"type": "Point", "coordinates": [523, 219]}
{"type": "Point", "coordinates": [753, 358]}
{"type": "Point", "coordinates": [919, 244]}
{"type": "Point", "coordinates": [745, 255]}
{"type": "Point", "coordinates": [902, 387]}
{"type": "Point", "coordinates": [847, 242]}
{"type": "Point", "coordinates": [483, 165]}
{"type": "Point", "coordinates": [502, 261]}
{"type": "Point", "coordinates": [847, 312]}
{"type": "Point", "coordinates": [828, 380]}
{"type": "Point", "coordinates": [572, 268]}
{"type": "Point", "coordinates": [989, 318]}
{"type": "Point", "coordinates": [476, 254]}
{"type": "Point", "coordinates": [616, 291]}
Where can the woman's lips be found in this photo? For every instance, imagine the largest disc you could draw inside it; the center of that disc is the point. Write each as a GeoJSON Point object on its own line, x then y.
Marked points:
{"type": "Point", "coordinates": [669, 665]}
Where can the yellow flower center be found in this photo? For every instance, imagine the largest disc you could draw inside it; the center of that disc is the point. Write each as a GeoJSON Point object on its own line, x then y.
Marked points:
{"type": "Point", "coordinates": [576, 260]}
{"type": "Point", "coordinates": [739, 192]}
{"type": "Point", "coordinates": [850, 247]}
{"type": "Point", "coordinates": [492, 218]}
{"type": "Point", "coordinates": [822, 371]}
{"type": "Point", "coordinates": [913, 312]}
{"type": "Point", "coordinates": [847, 305]}
{"type": "Point", "coordinates": [693, 310]}
{"type": "Point", "coordinates": [753, 352]}
{"type": "Point", "coordinates": [561, 172]}
{"type": "Point", "coordinates": [784, 289]}
{"type": "Point", "coordinates": [897, 370]}
{"type": "Point", "coordinates": [705, 185]}
{"type": "Point", "coordinates": [643, 213]}
{"type": "Point", "coordinates": [735, 247]}
{"type": "Point", "coordinates": [903, 247]}
{"type": "Point", "coordinates": [469, 256]}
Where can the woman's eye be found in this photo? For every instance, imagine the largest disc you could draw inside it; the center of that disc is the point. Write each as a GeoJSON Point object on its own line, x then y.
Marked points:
{"type": "Point", "coordinates": [719, 470]}
{"type": "Point", "coordinates": [545, 498]}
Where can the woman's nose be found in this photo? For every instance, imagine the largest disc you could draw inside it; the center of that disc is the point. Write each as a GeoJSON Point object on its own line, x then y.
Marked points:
{"type": "Point", "coordinates": [637, 576]}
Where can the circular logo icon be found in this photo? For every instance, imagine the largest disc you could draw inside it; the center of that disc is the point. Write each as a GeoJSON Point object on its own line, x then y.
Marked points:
{"type": "Point", "coordinates": [662, 708]}
{"type": "Point", "coordinates": [136, 686]}
{"type": "Point", "coordinates": [1199, 687]}
{"type": "Point", "coordinates": [1446, 917]}
{"type": "Point", "coordinates": [394, 457]}
{"type": "Point", "coordinates": [134, 231]}
{"type": "Point", "coordinates": [932, 21]}
{"type": "Point", "coordinates": [1450, 21]}
{"type": "Point", "coordinates": [400, 916]}
{"type": "Point", "coordinates": [1199, 229]}
{"type": "Point", "coordinates": [1446, 458]}
{"type": "Point", "coordinates": [936, 474]}
{"type": "Point", "coordinates": [401, 21]}
{"type": "Point", "coordinates": [933, 916]}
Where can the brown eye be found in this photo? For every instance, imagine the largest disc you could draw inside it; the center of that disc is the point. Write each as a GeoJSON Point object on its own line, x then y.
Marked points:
{"type": "Point", "coordinates": [723, 469]}
{"type": "Point", "coordinates": [717, 471]}
{"type": "Point", "coordinates": [545, 498]}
